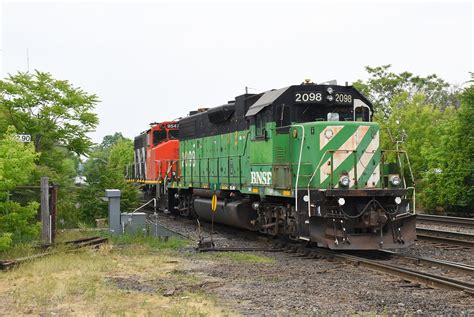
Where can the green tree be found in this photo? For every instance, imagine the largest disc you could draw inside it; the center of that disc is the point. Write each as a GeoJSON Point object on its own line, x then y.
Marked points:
{"type": "Point", "coordinates": [417, 127]}
{"type": "Point", "coordinates": [425, 117]}
{"type": "Point", "coordinates": [109, 140]}
{"type": "Point", "coordinates": [104, 169]}
{"type": "Point", "coordinates": [450, 175]}
{"type": "Point", "coordinates": [383, 85]}
{"type": "Point", "coordinates": [58, 117]}
{"type": "Point", "coordinates": [17, 161]}
{"type": "Point", "coordinates": [53, 111]}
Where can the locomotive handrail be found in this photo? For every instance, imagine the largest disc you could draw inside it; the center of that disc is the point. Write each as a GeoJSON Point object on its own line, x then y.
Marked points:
{"type": "Point", "coordinates": [299, 165]}
{"type": "Point", "coordinates": [408, 161]}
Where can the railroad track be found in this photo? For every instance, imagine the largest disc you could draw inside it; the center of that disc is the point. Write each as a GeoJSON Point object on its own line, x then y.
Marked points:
{"type": "Point", "coordinates": [464, 240]}
{"type": "Point", "coordinates": [430, 272]}
{"type": "Point", "coordinates": [72, 245]}
{"type": "Point", "coordinates": [417, 275]}
{"type": "Point", "coordinates": [409, 268]}
{"type": "Point", "coordinates": [457, 221]}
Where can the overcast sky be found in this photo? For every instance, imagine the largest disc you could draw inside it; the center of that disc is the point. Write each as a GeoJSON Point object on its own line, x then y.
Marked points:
{"type": "Point", "coordinates": [157, 61]}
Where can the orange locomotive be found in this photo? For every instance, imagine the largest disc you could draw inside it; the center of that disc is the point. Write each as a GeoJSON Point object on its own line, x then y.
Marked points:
{"type": "Point", "coordinates": [155, 152]}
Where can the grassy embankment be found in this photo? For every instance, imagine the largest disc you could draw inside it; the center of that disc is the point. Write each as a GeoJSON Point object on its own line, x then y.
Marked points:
{"type": "Point", "coordinates": [130, 275]}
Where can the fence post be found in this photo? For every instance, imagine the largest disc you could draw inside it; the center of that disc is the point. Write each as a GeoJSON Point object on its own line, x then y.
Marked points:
{"type": "Point", "coordinates": [54, 209]}
{"type": "Point", "coordinates": [45, 215]}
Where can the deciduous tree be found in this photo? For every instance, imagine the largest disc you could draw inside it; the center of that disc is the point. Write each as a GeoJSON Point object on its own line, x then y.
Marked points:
{"type": "Point", "coordinates": [17, 161]}
{"type": "Point", "coordinates": [52, 111]}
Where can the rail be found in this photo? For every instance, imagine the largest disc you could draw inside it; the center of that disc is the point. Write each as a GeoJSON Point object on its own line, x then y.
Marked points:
{"type": "Point", "coordinates": [458, 221]}
{"type": "Point", "coordinates": [413, 275]}
{"type": "Point", "coordinates": [73, 244]}
{"type": "Point", "coordinates": [464, 240]}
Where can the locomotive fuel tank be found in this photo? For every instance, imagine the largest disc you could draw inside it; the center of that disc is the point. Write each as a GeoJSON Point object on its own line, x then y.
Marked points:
{"type": "Point", "coordinates": [235, 213]}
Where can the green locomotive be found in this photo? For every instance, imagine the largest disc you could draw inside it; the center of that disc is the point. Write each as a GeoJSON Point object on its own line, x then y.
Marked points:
{"type": "Point", "coordinates": [302, 162]}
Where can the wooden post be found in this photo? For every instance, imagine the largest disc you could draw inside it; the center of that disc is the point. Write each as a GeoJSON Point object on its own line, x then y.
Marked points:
{"type": "Point", "coordinates": [45, 215]}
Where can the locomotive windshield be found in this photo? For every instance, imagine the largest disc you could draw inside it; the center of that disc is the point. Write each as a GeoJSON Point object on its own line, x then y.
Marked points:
{"type": "Point", "coordinates": [159, 136]}
{"type": "Point", "coordinates": [173, 134]}
{"type": "Point", "coordinates": [309, 113]}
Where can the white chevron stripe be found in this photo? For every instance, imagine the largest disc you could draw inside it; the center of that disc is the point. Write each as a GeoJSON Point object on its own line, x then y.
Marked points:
{"type": "Point", "coordinates": [343, 152]}
{"type": "Point", "coordinates": [323, 141]}
{"type": "Point", "coordinates": [363, 162]}
{"type": "Point", "coordinates": [374, 178]}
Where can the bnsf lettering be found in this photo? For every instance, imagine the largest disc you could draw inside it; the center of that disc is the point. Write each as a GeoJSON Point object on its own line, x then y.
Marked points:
{"type": "Point", "coordinates": [261, 178]}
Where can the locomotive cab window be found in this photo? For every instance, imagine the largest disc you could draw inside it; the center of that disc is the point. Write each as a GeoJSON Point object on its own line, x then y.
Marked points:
{"type": "Point", "coordinates": [312, 113]}
{"type": "Point", "coordinates": [260, 121]}
{"type": "Point", "coordinates": [173, 134]}
{"type": "Point", "coordinates": [361, 114]}
{"type": "Point", "coordinates": [282, 118]}
{"type": "Point", "coordinates": [259, 125]}
{"type": "Point", "coordinates": [159, 136]}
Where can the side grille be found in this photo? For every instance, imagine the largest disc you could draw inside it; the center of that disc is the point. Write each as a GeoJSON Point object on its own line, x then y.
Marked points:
{"type": "Point", "coordinates": [280, 154]}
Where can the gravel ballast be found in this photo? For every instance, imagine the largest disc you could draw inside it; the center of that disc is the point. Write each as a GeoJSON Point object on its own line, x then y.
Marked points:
{"type": "Point", "coordinates": [290, 284]}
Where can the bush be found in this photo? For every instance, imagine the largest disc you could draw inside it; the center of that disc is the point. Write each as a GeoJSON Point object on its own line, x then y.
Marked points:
{"type": "Point", "coordinates": [17, 162]}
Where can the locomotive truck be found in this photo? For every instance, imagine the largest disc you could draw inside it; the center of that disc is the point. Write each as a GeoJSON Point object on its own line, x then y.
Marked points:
{"type": "Point", "coordinates": [302, 162]}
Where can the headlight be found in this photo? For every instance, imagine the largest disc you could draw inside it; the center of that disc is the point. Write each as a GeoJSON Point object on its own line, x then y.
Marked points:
{"type": "Point", "coordinates": [398, 200]}
{"type": "Point", "coordinates": [341, 201]}
{"type": "Point", "coordinates": [395, 180]}
{"type": "Point", "coordinates": [330, 90]}
{"type": "Point", "coordinates": [329, 98]}
{"type": "Point", "coordinates": [328, 133]}
{"type": "Point", "coordinates": [344, 180]}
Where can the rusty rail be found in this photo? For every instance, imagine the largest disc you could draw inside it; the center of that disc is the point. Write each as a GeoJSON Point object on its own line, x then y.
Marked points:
{"type": "Point", "coordinates": [73, 244]}
{"type": "Point", "coordinates": [445, 240]}
{"type": "Point", "coordinates": [429, 279]}
{"type": "Point", "coordinates": [458, 221]}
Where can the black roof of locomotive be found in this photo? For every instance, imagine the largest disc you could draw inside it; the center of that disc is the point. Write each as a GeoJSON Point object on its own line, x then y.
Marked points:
{"type": "Point", "coordinates": [234, 116]}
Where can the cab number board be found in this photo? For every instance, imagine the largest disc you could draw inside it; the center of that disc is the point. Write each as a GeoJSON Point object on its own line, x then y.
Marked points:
{"type": "Point", "coordinates": [337, 98]}
{"type": "Point", "coordinates": [343, 98]}
{"type": "Point", "coordinates": [172, 126]}
{"type": "Point", "coordinates": [308, 97]}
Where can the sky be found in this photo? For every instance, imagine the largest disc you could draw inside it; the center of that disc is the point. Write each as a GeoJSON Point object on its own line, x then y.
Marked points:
{"type": "Point", "coordinates": [154, 61]}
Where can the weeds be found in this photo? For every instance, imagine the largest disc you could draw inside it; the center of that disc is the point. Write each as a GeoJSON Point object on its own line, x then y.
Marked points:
{"type": "Point", "coordinates": [241, 257]}
{"type": "Point", "coordinates": [172, 243]}
{"type": "Point", "coordinates": [79, 282]}
{"type": "Point", "coordinates": [17, 251]}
